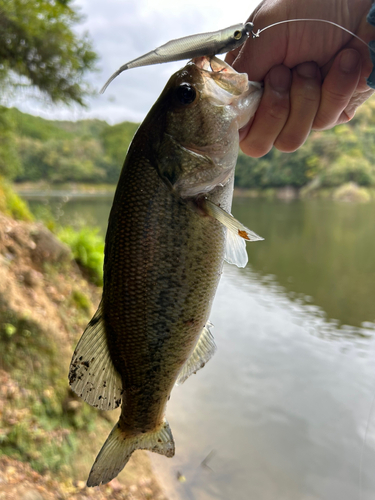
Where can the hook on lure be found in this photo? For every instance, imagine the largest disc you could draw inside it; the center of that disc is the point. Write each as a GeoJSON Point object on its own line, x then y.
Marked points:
{"type": "Point", "coordinates": [188, 47]}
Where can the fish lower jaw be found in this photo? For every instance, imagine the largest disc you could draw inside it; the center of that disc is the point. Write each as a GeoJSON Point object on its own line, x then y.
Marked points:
{"type": "Point", "coordinates": [247, 104]}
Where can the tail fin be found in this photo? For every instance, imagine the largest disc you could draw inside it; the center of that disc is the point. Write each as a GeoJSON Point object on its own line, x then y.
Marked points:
{"type": "Point", "coordinates": [117, 450]}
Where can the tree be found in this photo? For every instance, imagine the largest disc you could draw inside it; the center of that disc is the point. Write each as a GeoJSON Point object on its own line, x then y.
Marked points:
{"type": "Point", "coordinates": [37, 42]}
{"type": "Point", "coordinates": [10, 164]}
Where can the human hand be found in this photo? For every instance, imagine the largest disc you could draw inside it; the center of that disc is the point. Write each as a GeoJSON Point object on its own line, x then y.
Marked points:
{"type": "Point", "coordinates": [314, 74]}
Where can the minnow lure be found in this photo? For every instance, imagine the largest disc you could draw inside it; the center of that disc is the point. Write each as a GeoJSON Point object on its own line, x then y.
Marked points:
{"type": "Point", "coordinates": [189, 47]}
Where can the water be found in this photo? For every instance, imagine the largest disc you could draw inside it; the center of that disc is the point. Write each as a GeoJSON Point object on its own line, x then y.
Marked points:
{"type": "Point", "coordinates": [282, 409]}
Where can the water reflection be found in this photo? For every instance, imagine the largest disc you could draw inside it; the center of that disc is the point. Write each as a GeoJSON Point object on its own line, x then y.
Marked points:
{"type": "Point", "coordinates": [317, 248]}
{"type": "Point", "coordinates": [286, 400]}
{"type": "Point", "coordinates": [303, 312]}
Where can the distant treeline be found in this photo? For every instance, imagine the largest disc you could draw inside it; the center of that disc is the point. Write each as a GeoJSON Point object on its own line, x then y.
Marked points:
{"type": "Point", "coordinates": [91, 151]}
{"type": "Point", "coordinates": [87, 151]}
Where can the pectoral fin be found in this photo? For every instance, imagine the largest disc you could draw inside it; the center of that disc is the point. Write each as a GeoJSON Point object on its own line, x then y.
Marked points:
{"type": "Point", "coordinates": [235, 251]}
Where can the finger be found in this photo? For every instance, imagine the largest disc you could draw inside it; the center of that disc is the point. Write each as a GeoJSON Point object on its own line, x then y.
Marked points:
{"type": "Point", "coordinates": [304, 104]}
{"type": "Point", "coordinates": [271, 115]}
{"type": "Point", "coordinates": [337, 90]}
{"type": "Point", "coordinates": [257, 56]}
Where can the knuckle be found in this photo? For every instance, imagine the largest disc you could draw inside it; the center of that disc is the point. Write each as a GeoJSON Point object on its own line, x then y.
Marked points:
{"type": "Point", "coordinates": [255, 149]}
{"type": "Point", "coordinates": [277, 110]}
{"type": "Point", "coordinates": [310, 99]}
{"type": "Point", "coordinates": [288, 143]}
{"type": "Point", "coordinates": [324, 121]}
{"type": "Point", "coordinates": [337, 98]}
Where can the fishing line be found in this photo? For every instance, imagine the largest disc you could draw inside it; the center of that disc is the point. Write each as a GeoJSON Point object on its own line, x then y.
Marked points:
{"type": "Point", "coordinates": [256, 35]}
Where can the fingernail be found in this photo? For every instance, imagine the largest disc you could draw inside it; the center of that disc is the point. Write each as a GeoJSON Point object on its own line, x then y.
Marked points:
{"type": "Point", "coordinates": [307, 70]}
{"type": "Point", "coordinates": [280, 79]}
{"type": "Point", "coordinates": [349, 61]}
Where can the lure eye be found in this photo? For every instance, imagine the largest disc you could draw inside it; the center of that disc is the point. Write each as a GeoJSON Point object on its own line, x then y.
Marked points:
{"type": "Point", "coordinates": [237, 35]}
{"type": "Point", "coordinates": [186, 93]}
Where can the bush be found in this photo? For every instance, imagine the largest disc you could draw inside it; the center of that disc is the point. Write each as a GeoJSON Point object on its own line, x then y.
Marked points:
{"type": "Point", "coordinates": [349, 169]}
{"type": "Point", "coordinates": [87, 247]}
{"type": "Point", "coordinates": [11, 204]}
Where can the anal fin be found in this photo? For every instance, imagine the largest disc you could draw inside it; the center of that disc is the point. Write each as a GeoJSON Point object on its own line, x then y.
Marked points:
{"type": "Point", "coordinates": [203, 352]}
{"type": "Point", "coordinates": [92, 375]}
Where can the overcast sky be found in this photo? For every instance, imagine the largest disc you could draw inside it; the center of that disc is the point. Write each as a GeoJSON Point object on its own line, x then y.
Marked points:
{"type": "Point", "coordinates": [122, 30]}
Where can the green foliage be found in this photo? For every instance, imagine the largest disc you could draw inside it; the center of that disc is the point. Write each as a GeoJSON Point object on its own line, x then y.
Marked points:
{"type": "Point", "coordinates": [277, 169]}
{"type": "Point", "coordinates": [12, 204]}
{"type": "Point", "coordinates": [37, 41]}
{"type": "Point", "coordinates": [88, 151]}
{"type": "Point", "coordinates": [38, 128]}
{"type": "Point", "coordinates": [351, 192]}
{"type": "Point", "coordinates": [80, 300]}
{"type": "Point", "coordinates": [349, 169]}
{"type": "Point", "coordinates": [88, 250]}
{"type": "Point", "coordinates": [10, 164]}
{"type": "Point", "coordinates": [83, 128]}
{"type": "Point", "coordinates": [61, 160]}
{"type": "Point", "coordinates": [37, 409]}
{"type": "Point", "coordinates": [116, 141]}
{"type": "Point", "coordinates": [92, 151]}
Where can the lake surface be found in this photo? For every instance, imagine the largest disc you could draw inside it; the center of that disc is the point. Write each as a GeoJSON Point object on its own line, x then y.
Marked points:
{"type": "Point", "coordinates": [282, 409]}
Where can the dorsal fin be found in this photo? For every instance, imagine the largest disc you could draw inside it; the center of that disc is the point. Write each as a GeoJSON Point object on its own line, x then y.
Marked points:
{"type": "Point", "coordinates": [92, 375]}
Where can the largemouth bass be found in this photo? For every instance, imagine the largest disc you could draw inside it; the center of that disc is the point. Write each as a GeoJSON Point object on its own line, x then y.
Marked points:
{"type": "Point", "coordinates": [169, 230]}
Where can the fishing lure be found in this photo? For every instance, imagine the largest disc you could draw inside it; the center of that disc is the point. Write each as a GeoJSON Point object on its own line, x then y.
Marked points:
{"type": "Point", "coordinates": [189, 47]}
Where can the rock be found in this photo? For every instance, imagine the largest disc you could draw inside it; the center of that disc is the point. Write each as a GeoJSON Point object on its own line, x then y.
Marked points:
{"type": "Point", "coordinates": [31, 494]}
{"type": "Point", "coordinates": [47, 247]}
{"type": "Point", "coordinates": [351, 192]}
{"type": "Point", "coordinates": [287, 193]}
{"type": "Point", "coordinates": [32, 278]}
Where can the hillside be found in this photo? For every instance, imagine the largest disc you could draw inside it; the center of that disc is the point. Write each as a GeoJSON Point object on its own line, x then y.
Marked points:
{"type": "Point", "coordinates": [60, 151]}
{"type": "Point", "coordinates": [49, 438]}
{"type": "Point", "coordinates": [91, 151]}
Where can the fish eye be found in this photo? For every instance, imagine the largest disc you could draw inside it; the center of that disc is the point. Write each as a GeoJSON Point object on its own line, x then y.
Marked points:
{"type": "Point", "coordinates": [237, 35]}
{"type": "Point", "coordinates": [186, 93]}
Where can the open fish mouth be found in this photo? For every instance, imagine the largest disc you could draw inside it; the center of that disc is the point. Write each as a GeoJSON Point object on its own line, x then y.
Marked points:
{"type": "Point", "coordinates": [224, 75]}
{"type": "Point", "coordinates": [223, 86]}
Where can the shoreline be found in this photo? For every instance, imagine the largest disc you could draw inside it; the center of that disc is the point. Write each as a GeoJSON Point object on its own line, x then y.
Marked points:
{"type": "Point", "coordinates": [73, 190]}
{"type": "Point", "coordinates": [349, 192]}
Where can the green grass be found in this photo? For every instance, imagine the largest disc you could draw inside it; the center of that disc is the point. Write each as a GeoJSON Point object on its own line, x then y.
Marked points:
{"type": "Point", "coordinates": [87, 247]}
{"type": "Point", "coordinates": [39, 423]}
{"type": "Point", "coordinates": [11, 204]}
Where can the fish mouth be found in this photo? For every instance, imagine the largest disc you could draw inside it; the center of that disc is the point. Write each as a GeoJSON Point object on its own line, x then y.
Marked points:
{"type": "Point", "coordinates": [223, 86]}
{"type": "Point", "coordinates": [224, 75]}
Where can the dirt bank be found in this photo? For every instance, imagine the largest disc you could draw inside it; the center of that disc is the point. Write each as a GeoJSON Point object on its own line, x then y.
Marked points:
{"type": "Point", "coordinates": [48, 437]}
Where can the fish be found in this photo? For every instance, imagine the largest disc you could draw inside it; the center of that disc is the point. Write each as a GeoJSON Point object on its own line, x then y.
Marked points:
{"type": "Point", "coordinates": [192, 46]}
{"type": "Point", "coordinates": [169, 231]}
